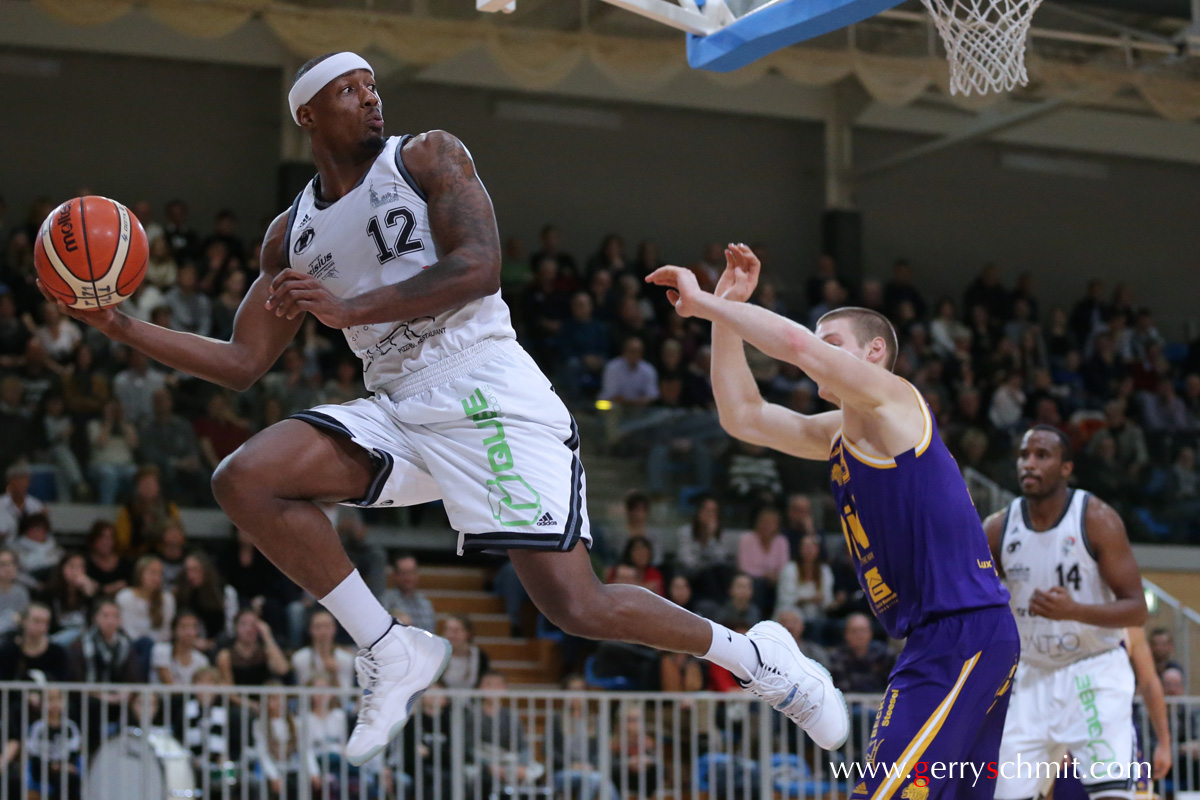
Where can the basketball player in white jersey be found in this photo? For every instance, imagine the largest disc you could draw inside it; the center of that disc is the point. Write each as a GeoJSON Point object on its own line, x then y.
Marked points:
{"type": "Point", "coordinates": [1075, 586]}
{"type": "Point", "coordinates": [395, 242]}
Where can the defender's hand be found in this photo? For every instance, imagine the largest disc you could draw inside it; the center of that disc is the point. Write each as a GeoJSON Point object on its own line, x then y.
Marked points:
{"type": "Point", "coordinates": [682, 290]}
{"type": "Point", "coordinates": [740, 278]}
{"type": "Point", "coordinates": [1053, 604]}
{"type": "Point", "coordinates": [293, 293]}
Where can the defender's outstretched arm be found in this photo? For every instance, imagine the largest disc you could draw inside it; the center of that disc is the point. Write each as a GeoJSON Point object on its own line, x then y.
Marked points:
{"type": "Point", "coordinates": [743, 412]}
{"type": "Point", "coordinates": [859, 384]}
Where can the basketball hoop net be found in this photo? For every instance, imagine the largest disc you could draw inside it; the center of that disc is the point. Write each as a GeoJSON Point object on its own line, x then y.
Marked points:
{"type": "Point", "coordinates": [985, 42]}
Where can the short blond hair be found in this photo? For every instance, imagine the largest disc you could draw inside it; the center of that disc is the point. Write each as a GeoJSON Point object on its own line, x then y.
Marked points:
{"type": "Point", "coordinates": [869, 325]}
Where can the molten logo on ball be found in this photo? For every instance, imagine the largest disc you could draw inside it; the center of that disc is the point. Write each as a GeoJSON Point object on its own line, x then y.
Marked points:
{"type": "Point", "coordinates": [67, 229]}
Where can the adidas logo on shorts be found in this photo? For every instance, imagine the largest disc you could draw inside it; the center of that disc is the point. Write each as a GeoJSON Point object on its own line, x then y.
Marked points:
{"type": "Point", "coordinates": [546, 520]}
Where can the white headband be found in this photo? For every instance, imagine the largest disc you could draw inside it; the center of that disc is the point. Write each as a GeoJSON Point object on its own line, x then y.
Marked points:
{"type": "Point", "coordinates": [319, 77]}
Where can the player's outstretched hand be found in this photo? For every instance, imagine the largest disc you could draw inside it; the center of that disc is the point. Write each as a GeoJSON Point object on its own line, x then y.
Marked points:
{"type": "Point", "coordinates": [740, 278]}
{"type": "Point", "coordinates": [293, 293]}
{"type": "Point", "coordinates": [1054, 603]}
{"type": "Point", "coordinates": [682, 290]}
{"type": "Point", "coordinates": [104, 320]}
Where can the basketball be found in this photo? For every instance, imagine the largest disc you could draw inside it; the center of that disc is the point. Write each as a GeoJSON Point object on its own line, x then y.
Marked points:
{"type": "Point", "coordinates": [91, 252]}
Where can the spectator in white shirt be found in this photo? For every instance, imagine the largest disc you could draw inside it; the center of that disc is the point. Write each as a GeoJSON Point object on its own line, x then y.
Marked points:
{"type": "Point", "coordinates": [14, 597]}
{"type": "Point", "coordinates": [113, 440]}
{"type": "Point", "coordinates": [1008, 403]}
{"type": "Point", "coordinates": [37, 549]}
{"type": "Point", "coordinates": [58, 335]}
{"type": "Point", "coordinates": [323, 657]}
{"type": "Point", "coordinates": [135, 386]}
{"type": "Point", "coordinates": [177, 661]}
{"type": "Point", "coordinates": [16, 501]}
{"type": "Point", "coordinates": [629, 380]}
{"type": "Point", "coordinates": [147, 610]}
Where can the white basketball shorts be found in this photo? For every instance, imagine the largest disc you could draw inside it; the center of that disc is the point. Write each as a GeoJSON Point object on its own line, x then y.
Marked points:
{"type": "Point", "coordinates": [483, 431]}
{"type": "Point", "coordinates": [1086, 709]}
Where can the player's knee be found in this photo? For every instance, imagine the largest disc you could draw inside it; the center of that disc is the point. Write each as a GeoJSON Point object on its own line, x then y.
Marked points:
{"type": "Point", "coordinates": [232, 479]}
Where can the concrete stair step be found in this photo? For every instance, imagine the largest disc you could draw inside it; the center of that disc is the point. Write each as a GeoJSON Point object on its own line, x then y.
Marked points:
{"type": "Point", "coordinates": [486, 625]}
{"type": "Point", "coordinates": [454, 601]}
{"type": "Point", "coordinates": [525, 672]}
{"type": "Point", "coordinates": [473, 579]}
{"type": "Point", "coordinates": [506, 648]}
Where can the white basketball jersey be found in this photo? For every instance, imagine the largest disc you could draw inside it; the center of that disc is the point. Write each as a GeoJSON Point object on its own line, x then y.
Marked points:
{"type": "Point", "coordinates": [378, 235]}
{"type": "Point", "coordinates": [1060, 556]}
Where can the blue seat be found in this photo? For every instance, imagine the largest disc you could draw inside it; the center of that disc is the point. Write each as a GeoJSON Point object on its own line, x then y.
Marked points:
{"type": "Point", "coordinates": [1159, 530]}
{"type": "Point", "coordinates": [1175, 352]}
{"type": "Point", "coordinates": [616, 683]}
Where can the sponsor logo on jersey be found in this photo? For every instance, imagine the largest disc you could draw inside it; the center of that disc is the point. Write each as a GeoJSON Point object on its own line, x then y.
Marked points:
{"type": "Point", "coordinates": [514, 502]}
{"type": "Point", "coordinates": [304, 241]}
{"type": "Point", "coordinates": [1054, 645]}
{"type": "Point", "coordinates": [1013, 547]}
{"type": "Point", "coordinates": [322, 267]}
{"type": "Point", "coordinates": [891, 706]}
{"type": "Point", "coordinates": [1018, 573]}
{"type": "Point", "coordinates": [1097, 748]}
{"type": "Point", "coordinates": [378, 200]}
{"type": "Point", "coordinates": [1068, 545]}
{"type": "Point", "coordinates": [401, 339]}
{"type": "Point", "coordinates": [914, 791]}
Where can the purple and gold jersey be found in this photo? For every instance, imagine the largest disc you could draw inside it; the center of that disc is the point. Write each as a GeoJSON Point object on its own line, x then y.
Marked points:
{"type": "Point", "coordinates": [914, 535]}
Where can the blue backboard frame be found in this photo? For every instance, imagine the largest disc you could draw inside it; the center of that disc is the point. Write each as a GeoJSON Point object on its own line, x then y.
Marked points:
{"type": "Point", "coordinates": [768, 29]}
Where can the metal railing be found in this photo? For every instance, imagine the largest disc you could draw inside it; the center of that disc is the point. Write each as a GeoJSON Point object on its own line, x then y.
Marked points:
{"type": "Point", "coordinates": [127, 742]}
{"type": "Point", "coordinates": [988, 496]}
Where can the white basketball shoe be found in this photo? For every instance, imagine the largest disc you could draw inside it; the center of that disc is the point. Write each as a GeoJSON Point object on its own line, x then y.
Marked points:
{"type": "Point", "coordinates": [797, 687]}
{"type": "Point", "coordinates": [393, 673]}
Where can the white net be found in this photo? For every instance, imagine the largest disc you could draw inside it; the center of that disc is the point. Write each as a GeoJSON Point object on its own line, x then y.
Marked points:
{"type": "Point", "coordinates": [985, 42]}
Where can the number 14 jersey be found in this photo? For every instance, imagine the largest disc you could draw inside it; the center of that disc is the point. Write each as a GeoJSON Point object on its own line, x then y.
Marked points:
{"type": "Point", "coordinates": [378, 235]}
{"type": "Point", "coordinates": [1061, 556]}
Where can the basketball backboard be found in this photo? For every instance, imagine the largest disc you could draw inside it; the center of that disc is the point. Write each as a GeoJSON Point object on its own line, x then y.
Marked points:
{"type": "Point", "coordinates": [773, 25]}
{"type": "Point", "coordinates": [723, 35]}
{"type": "Point", "coordinates": [984, 39]}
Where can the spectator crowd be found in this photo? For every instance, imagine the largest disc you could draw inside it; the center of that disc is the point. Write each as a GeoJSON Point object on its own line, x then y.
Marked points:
{"type": "Point", "coordinates": [138, 601]}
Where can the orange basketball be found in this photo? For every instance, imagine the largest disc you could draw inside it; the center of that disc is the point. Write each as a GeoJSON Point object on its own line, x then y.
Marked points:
{"type": "Point", "coordinates": [91, 252]}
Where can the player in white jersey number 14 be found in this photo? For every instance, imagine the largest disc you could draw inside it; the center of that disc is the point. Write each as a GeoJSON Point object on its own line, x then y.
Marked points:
{"type": "Point", "coordinates": [454, 414]}
{"type": "Point", "coordinates": [1065, 558]}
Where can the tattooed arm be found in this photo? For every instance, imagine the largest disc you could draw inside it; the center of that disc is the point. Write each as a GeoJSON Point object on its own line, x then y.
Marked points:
{"type": "Point", "coordinates": [464, 229]}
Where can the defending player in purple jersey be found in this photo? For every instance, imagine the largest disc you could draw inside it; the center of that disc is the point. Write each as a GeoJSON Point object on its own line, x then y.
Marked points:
{"type": "Point", "coordinates": [913, 534]}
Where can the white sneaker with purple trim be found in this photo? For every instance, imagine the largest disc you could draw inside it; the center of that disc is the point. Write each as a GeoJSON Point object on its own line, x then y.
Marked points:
{"type": "Point", "coordinates": [393, 673]}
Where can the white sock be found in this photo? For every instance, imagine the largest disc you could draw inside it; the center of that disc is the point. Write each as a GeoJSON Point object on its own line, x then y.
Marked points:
{"type": "Point", "coordinates": [733, 651]}
{"type": "Point", "coordinates": [353, 605]}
